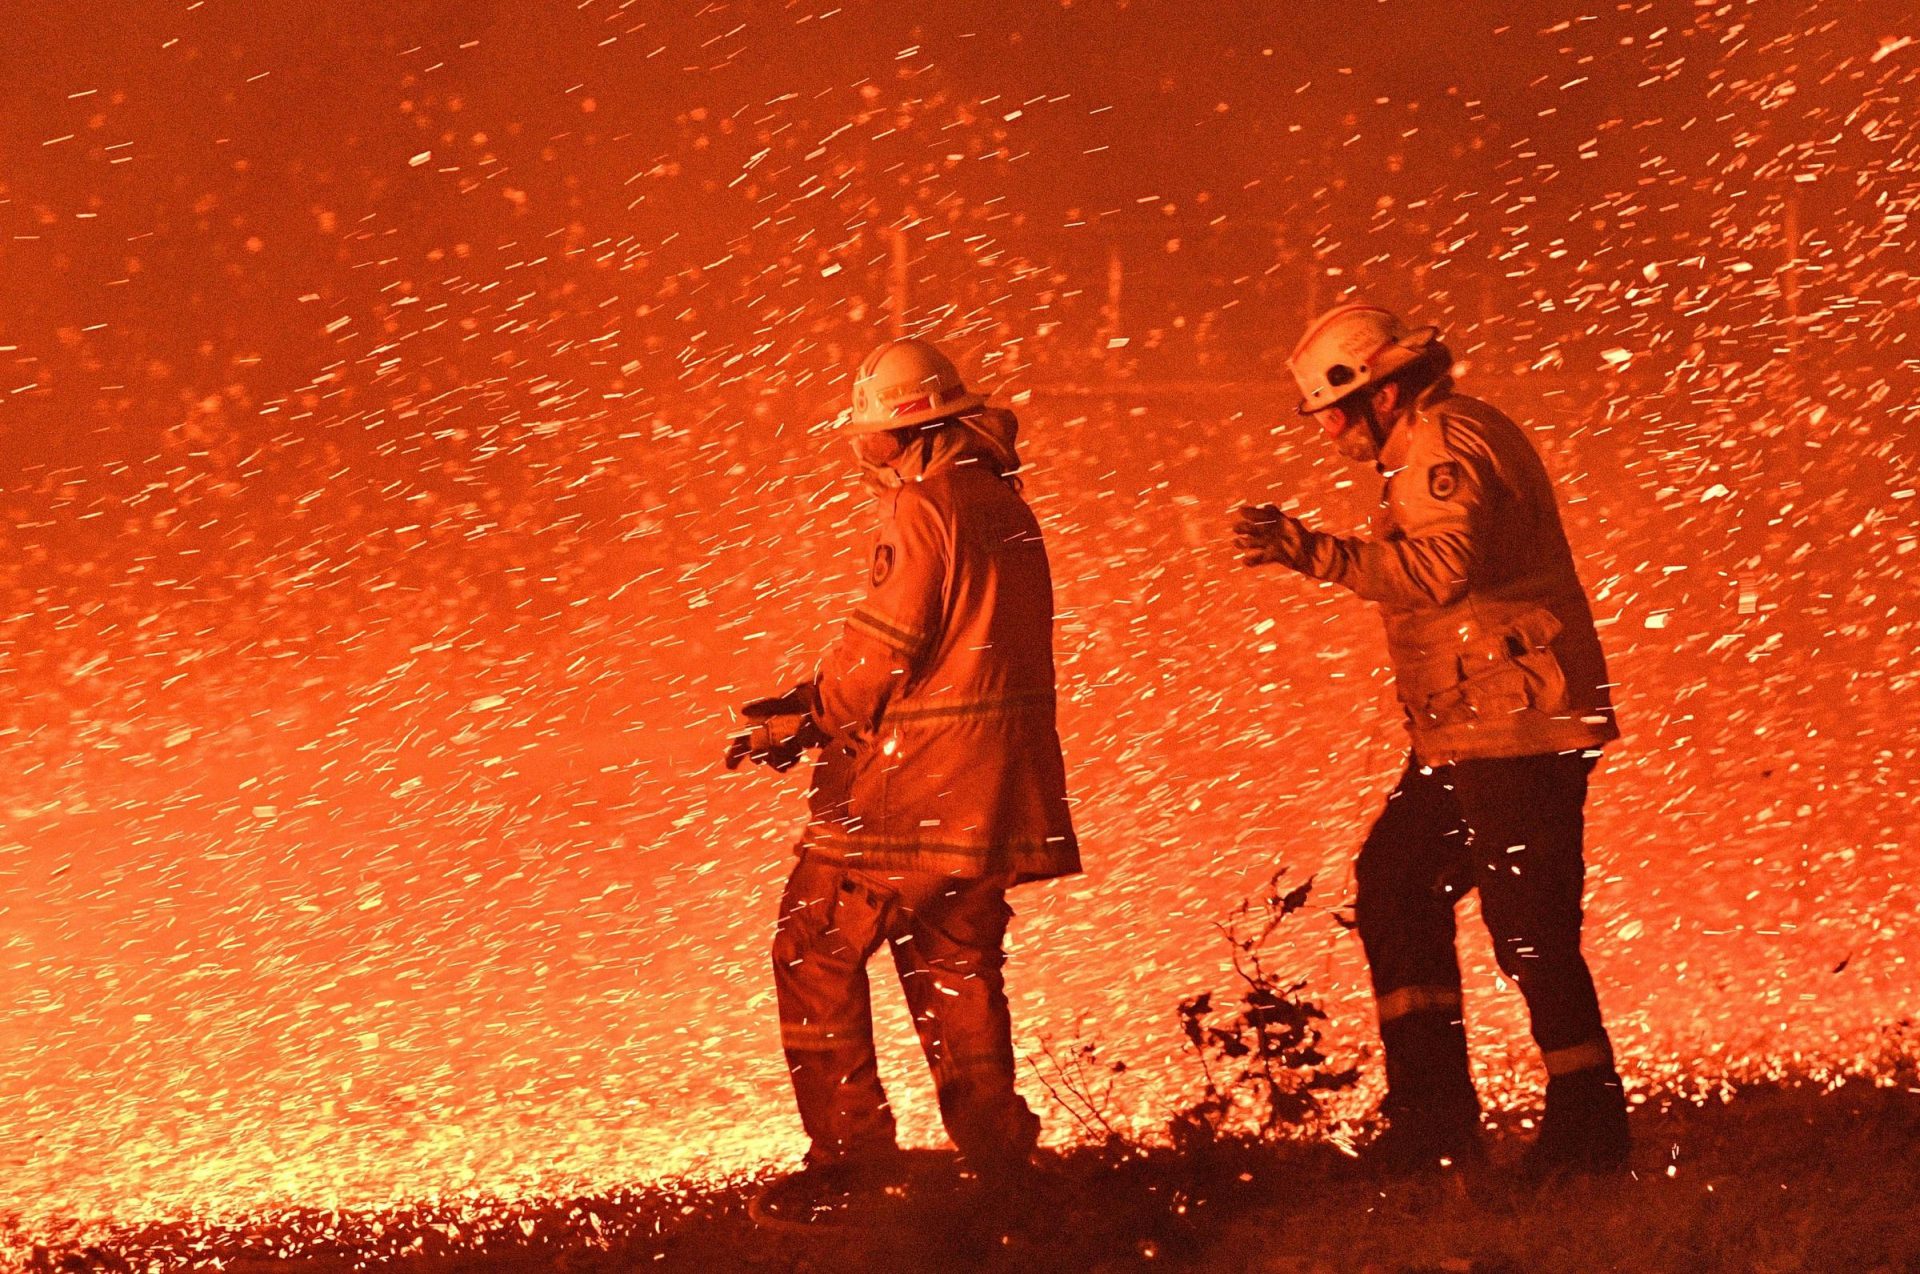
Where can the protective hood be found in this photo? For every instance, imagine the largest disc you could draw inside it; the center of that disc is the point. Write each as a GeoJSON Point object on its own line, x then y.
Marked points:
{"type": "Point", "coordinates": [987, 435]}
{"type": "Point", "coordinates": [996, 430]}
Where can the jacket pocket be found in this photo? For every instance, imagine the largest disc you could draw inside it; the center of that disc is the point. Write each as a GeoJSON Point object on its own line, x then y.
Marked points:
{"type": "Point", "coordinates": [863, 911]}
{"type": "Point", "coordinates": [1507, 672]}
{"type": "Point", "coordinates": [1529, 644]}
{"type": "Point", "coordinates": [836, 777]}
{"type": "Point", "coordinates": [1490, 687]}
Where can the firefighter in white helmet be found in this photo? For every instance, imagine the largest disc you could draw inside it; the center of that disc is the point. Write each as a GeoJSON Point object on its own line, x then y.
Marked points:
{"type": "Point", "coordinates": [1504, 687]}
{"type": "Point", "coordinates": [940, 784]}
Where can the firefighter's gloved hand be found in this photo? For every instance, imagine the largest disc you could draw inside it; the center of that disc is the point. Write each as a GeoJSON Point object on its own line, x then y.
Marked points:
{"type": "Point", "coordinates": [1265, 535]}
{"type": "Point", "coordinates": [763, 746]}
{"type": "Point", "coordinates": [780, 730]}
{"type": "Point", "coordinates": [797, 702]}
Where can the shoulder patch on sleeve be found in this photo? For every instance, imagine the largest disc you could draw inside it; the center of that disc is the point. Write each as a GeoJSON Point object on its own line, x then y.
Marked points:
{"type": "Point", "coordinates": [882, 565]}
{"type": "Point", "coordinates": [1465, 435]}
{"type": "Point", "coordinates": [1443, 480]}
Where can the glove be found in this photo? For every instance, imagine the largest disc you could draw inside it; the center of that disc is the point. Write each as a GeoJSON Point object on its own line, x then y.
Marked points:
{"type": "Point", "coordinates": [1264, 535]}
{"type": "Point", "coordinates": [781, 730]}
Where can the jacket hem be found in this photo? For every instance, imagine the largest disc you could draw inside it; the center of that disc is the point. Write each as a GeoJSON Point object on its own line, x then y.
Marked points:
{"type": "Point", "coordinates": [1026, 862]}
{"type": "Point", "coordinates": [1441, 750]}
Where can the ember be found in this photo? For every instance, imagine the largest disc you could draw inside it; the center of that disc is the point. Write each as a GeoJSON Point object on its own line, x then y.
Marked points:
{"type": "Point", "coordinates": [417, 423]}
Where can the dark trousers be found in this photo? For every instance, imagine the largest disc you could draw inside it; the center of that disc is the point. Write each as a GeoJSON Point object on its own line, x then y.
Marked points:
{"type": "Point", "coordinates": [1512, 828]}
{"type": "Point", "coordinates": [946, 936]}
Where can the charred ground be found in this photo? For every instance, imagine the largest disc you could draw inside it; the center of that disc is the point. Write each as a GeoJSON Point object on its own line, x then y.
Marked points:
{"type": "Point", "coordinates": [1796, 1177]}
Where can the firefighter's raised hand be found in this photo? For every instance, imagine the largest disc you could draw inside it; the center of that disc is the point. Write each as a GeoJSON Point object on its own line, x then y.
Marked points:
{"type": "Point", "coordinates": [1265, 535]}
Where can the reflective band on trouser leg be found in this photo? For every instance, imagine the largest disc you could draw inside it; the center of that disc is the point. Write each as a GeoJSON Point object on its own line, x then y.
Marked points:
{"type": "Point", "coordinates": [836, 1084]}
{"type": "Point", "coordinates": [1398, 1003]}
{"type": "Point", "coordinates": [815, 1037]}
{"type": "Point", "coordinates": [1429, 1081]}
{"type": "Point", "coordinates": [1592, 1055]}
{"type": "Point", "coordinates": [826, 1024]}
{"type": "Point", "coordinates": [951, 972]}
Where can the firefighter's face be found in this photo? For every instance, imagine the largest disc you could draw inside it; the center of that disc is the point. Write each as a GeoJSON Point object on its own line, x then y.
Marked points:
{"type": "Point", "coordinates": [1345, 423]}
{"type": "Point", "coordinates": [877, 451]}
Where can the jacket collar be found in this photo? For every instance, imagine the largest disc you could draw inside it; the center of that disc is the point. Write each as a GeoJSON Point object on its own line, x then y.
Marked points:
{"type": "Point", "coordinates": [1393, 453]}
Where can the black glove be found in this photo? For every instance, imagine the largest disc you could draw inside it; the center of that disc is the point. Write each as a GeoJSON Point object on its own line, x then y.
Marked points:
{"type": "Point", "coordinates": [1264, 534]}
{"type": "Point", "coordinates": [779, 732]}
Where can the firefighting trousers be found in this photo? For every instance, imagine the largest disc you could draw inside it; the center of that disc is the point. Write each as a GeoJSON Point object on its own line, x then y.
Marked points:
{"type": "Point", "coordinates": [1511, 827]}
{"type": "Point", "coordinates": [945, 934]}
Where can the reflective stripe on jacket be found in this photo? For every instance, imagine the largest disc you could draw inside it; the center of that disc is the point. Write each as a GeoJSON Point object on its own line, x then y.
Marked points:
{"type": "Point", "coordinates": [939, 694]}
{"type": "Point", "coordinates": [1493, 644]}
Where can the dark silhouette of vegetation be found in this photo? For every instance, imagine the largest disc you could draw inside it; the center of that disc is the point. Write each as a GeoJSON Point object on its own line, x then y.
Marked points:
{"type": "Point", "coordinates": [1261, 1048]}
{"type": "Point", "coordinates": [1080, 1082]}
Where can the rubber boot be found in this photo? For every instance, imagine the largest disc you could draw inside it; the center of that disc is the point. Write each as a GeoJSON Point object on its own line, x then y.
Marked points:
{"type": "Point", "coordinates": [996, 1137]}
{"type": "Point", "coordinates": [1585, 1129]}
{"type": "Point", "coordinates": [1433, 1115]}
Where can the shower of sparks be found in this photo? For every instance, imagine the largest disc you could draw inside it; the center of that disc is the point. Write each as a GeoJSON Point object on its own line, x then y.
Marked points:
{"type": "Point", "coordinates": [416, 447]}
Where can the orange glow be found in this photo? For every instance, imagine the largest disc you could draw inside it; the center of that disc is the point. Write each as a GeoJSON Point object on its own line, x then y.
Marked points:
{"type": "Point", "coordinates": [418, 442]}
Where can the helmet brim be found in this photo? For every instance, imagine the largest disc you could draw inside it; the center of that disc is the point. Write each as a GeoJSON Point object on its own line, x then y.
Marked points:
{"type": "Point", "coordinates": [857, 425]}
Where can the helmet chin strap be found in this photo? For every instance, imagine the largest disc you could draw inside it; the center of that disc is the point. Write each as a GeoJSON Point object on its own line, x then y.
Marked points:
{"type": "Point", "coordinates": [911, 462]}
{"type": "Point", "coordinates": [1376, 428]}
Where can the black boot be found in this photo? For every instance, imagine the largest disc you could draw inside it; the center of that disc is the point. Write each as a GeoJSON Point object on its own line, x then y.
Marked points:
{"type": "Point", "coordinates": [831, 1194]}
{"type": "Point", "coordinates": [1585, 1129]}
{"type": "Point", "coordinates": [996, 1134]}
{"type": "Point", "coordinates": [1433, 1115]}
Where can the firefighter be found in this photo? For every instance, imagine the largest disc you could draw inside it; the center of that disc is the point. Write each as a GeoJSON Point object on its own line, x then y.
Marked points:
{"type": "Point", "coordinates": [1500, 673]}
{"type": "Point", "coordinates": [939, 785]}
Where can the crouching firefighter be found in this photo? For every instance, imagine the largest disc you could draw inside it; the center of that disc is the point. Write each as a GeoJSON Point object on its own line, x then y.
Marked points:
{"type": "Point", "coordinates": [1500, 673]}
{"type": "Point", "coordinates": [938, 786]}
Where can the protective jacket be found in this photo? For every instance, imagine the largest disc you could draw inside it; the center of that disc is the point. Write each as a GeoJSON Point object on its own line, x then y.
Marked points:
{"type": "Point", "coordinates": [939, 693]}
{"type": "Point", "coordinates": [1492, 641]}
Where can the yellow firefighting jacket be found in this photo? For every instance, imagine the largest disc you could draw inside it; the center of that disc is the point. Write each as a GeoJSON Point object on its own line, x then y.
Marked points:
{"type": "Point", "coordinates": [939, 693]}
{"type": "Point", "coordinates": [1493, 645]}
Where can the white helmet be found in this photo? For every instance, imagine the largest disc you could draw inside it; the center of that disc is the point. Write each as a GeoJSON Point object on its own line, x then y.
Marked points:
{"type": "Point", "coordinates": [1350, 347]}
{"type": "Point", "coordinates": [907, 382]}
